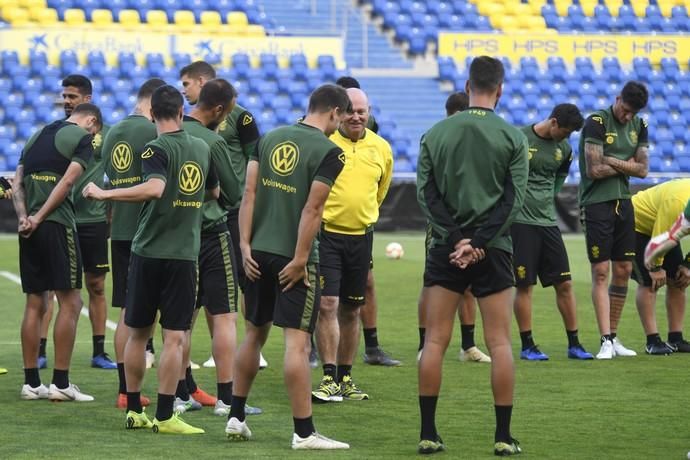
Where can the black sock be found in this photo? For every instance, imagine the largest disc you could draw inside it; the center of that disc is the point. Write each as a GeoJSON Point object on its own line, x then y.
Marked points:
{"type": "Point", "coordinates": [422, 336]}
{"type": "Point", "coordinates": [343, 370]}
{"type": "Point", "coordinates": [98, 345]}
{"type": "Point", "coordinates": [237, 408]}
{"type": "Point", "coordinates": [467, 336]}
{"type": "Point", "coordinates": [330, 370]}
{"type": "Point", "coordinates": [134, 402]}
{"type": "Point", "coordinates": [653, 338]}
{"type": "Point", "coordinates": [527, 339]}
{"type": "Point", "coordinates": [304, 427]}
{"type": "Point", "coordinates": [31, 377]}
{"type": "Point", "coordinates": [613, 335]}
{"type": "Point", "coordinates": [149, 345]}
{"type": "Point", "coordinates": [164, 410]}
{"type": "Point", "coordinates": [606, 337]}
{"type": "Point", "coordinates": [503, 414]}
{"type": "Point", "coordinates": [182, 390]}
{"type": "Point", "coordinates": [121, 378]}
{"type": "Point", "coordinates": [371, 340]}
{"type": "Point", "coordinates": [61, 378]}
{"type": "Point", "coordinates": [573, 339]}
{"type": "Point", "coordinates": [224, 392]}
{"type": "Point", "coordinates": [427, 408]}
{"type": "Point", "coordinates": [42, 347]}
{"type": "Point", "coordinates": [191, 384]}
{"type": "Point", "coordinates": [675, 337]}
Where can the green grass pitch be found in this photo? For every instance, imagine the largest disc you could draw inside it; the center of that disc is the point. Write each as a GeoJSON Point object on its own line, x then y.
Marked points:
{"type": "Point", "coordinates": [628, 408]}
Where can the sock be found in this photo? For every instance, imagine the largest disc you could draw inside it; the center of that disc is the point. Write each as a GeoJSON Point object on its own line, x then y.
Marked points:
{"type": "Point", "coordinates": [653, 338]}
{"type": "Point", "coordinates": [149, 345]}
{"type": "Point", "coordinates": [427, 408]}
{"type": "Point", "coordinates": [164, 410]}
{"type": "Point", "coordinates": [613, 335]}
{"type": "Point", "coordinates": [422, 335]}
{"type": "Point", "coordinates": [606, 337]}
{"type": "Point", "coordinates": [617, 295]}
{"type": "Point", "coordinates": [42, 347]}
{"type": "Point", "coordinates": [573, 339]}
{"type": "Point", "coordinates": [675, 337]}
{"type": "Point", "coordinates": [237, 407]}
{"type": "Point", "coordinates": [224, 392]}
{"type": "Point", "coordinates": [191, 384]}
{"type": "Point", "coordinates": [182, 390]}
{"type": "Point", "coordinates": [134, 402]}
{"type": "Point", "coordinates": [121, 377]}
{"type": "Point", "coordinates": [329, 370]}
{"type": "Point", "coordinates": [61, 378]}
{"type": "Point", "coordinates": [304, 427]}
{"type": "Point", "coordinates": [371, 340]}
{"type": "Point", "coordinates": [31, 377]}
{"type": "Point", "coordinates": [527, 340]}
{"type": "Point", "coordinates": [98, 345]}
{"type": "Point", "coordinates": [503, 414]}
{"type": "Point", "coordinates": [467, 336]}
{"type": "Point", "coordinates": [343, 370]}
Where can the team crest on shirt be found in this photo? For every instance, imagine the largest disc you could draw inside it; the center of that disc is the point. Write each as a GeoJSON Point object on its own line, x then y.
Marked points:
{"type": "Point", "coordinates": [595, 251]}
{"type": "Point", "coordinates": [609, 140]}
{"type": "Point", "coordinates": [531, 152]}
{"type": "Point", "coordinates": [284, 158]}
{"type": "Point", "coordinates": [558, 155]}
{"type": "Point", "coordinates": [247, 119]}
{"type": "Point", "coordinates": [521, 272]}
{"type": "Point", "coordinates": [96, 141]}
{"type": "Point", "coordinates": [191, 178]}
{"type": "Point", "coordinates": [633, 137]}
{"type": "Point", "coordinates": [121, 157]}
{"type": "Point", "coordinates": [223, 125]}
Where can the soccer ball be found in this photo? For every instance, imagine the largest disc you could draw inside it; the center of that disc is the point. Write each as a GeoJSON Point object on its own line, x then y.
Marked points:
{"type": "Point", "coordinates": [394, 251]}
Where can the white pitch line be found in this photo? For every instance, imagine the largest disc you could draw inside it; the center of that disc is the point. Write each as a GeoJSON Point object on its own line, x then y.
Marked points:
{"type": "Point", "coordinates": [84, 311]}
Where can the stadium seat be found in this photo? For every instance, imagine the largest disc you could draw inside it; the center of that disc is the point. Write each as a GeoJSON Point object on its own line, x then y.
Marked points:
{"type": "Point", "coordinates": [184, 18]}
{"type": "Point", "coordinates": [129, 17]}
{"type": "Point", "coordinates": [156, 18]}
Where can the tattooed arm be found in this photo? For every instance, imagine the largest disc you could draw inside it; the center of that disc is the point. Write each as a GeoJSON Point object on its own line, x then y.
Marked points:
{"type": "Point", "coordinates": [637, 166]}
{"type": "Point", "coordinates": [597, 167]}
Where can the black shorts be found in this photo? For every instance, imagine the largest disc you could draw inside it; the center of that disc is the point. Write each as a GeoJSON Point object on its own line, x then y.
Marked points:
{"type": "Point", "coordinates": [120, 252]}
{"type": "Point", "coordinates": [539, 251]}
{"type": "Point", "coordinates": [217, 286]}
{"type": "Point", "coordinates": [493, 274]}
{"type": "Point", "coordinates": [609, 230]}
{"type": "Point", "coordinates": [672, 261]}
{"type": "Point", "coordinates": [297, 308]}
{"type": "Point", "coordinates": [234, 227]}
{"type": "Point", "coordinates": [344, 261]}
{"type": "Point", "coordinates": [93, 243]}
{"type": "Point", "coordinates": [160, 284]}
{"type": "Point", "coordinates": [49, 260]}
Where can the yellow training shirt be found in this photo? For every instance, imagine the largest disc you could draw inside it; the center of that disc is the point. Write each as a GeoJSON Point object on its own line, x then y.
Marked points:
{"type": "Point", "coordinates": [353, 204]}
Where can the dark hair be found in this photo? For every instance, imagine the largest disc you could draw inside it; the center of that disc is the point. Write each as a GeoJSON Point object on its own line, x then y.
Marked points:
{"type": "Point", "coordinates": [198, 69]}
{"type": "Point", "coordinates": [80, 82]}
{"type": "Point", "coordinates": [87, 108]}
{"type": "Point", "coordinates": [568, 116]}
{"type": "Point", "coordinates": [635, 94]}
{"type": "Point", "coordinates": [216, 92]}
{"type": "Point", "coordinates": [457, 102]}
{"type": "Point", "coordinates": [327, 97]}
{"type": "Point", "coordinates": [486, 74]}
{"type": "Point", "coordinates": [166, 102]}
{"type": "Point", "coordinates": [146, 90]}
{"type": "Point", "coordinates": [347, 82]}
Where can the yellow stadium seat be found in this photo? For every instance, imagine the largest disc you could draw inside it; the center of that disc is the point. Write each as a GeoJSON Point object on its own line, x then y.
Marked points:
{"type": "Point", "coordinates": [562, 7]}
{"type": "Point", "coordinates": [28, 4]}
{"type": "Point", "coordinates": [44, 16]}
{"type": "Point", "coordinates": [536, 6]}
{"type": "Point", "coordinates": [255, 30]}
{"type": "Point", "coordinates": [102, 17]}
{"type": "Point", "coordinates": [129, 18]}
{"type": "Point", "coordinates": [504, 22]}
{"type": "Point", "coordinates": [536, 24]}
{"type": "Point", "coordinates": [211, 20]}
{"type": "Point", "coordinates": [7, 3]}
{"type": "Point", "coordinates": [15, 15]}
{"type": "Point", "coordinates": [184, 18]}
{"type": "Point", "coordinates": [613, 6]}
{"type": "Point", "coordinates": [237, 19]}
{"type": "Point", "coordinates": [665, 7]}
{"type": "Point", "coordinates": [519, 9]}
{"type": "Point", "coordinates": [156, 18]}
{"type": "Point", "coordinates": [640, 9]}
{"type": "Point", "coordinates": [74, 17]}
{"type": "Point", "coordinates": [588, 7]}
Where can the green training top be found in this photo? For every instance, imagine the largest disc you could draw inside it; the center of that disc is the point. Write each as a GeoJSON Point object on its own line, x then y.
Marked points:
{"type": "Point", "coordinates": [122, 149]}
{"type": "Point", "coordinates": [170, 227]}
{"type": "Point", "coordinates": [91, 211]}
{"type": "Point", "coordinates": [45, 158]}
{"type": "Point", "coordinates": [241, 134]}
{"type": "Point", "coordinates": [619, 141]}
{"type": "Point", "coordinates": [471, 178]}
{"type": "Point", "coordinates": [290, 159]}
{"type": "Point", "coordinates": [548, 160]}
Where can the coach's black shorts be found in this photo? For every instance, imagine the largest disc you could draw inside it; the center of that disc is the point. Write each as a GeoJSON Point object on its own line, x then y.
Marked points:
{"type": "Point", "coordinates": [609, 230]}
{"type": "Point", "coordinates": [344, 261]}
{"type": "Point", "coordinates": [297, 308]}
{"type": "Point", "coordinates": [217, 285]}
{"type": "Point", "coordinates": [539, 251]}
{"type": "Point", "coordinates": [49, 260]}
{"type": "Point", "coordinates": [160, 284]}
{"type": "Point", "coordinates": [120, 252]}
{"type": "Point", "coordinates": [93, 243]}
{"type": "Point", "coordinates": [672, 261]}
{"type": "Point", "coordinates": [491, 275]}
{"type": "Point", "coordinates": [234, 227]}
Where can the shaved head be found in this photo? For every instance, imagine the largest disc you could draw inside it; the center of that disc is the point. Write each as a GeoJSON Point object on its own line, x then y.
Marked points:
{"type": "Point", "coordinates": [358, 95]}
{"type": "Point", "coordinates": [355, 124]}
